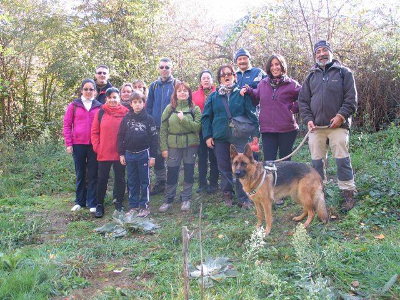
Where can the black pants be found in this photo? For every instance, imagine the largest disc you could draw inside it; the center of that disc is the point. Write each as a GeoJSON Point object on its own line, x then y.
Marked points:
{"type": "Point", "coordinates": [119, 181]}
{"type": "Point", "coordinates": [206, 154]}
{"type": "Point", "coordinates": [85, 160]}
{"type": "Point", "coordinates": [222, 152]}
{"type": "Point", "coordinates": [273, 142]}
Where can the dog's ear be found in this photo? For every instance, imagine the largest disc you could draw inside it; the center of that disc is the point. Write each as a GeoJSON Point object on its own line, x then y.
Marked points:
{"type": "Point", "coordinates": [248, 152]}
{"type": "Point", "coordinates": [234, 152]}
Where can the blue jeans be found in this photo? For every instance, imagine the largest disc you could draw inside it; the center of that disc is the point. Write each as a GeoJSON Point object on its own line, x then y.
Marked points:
{"type": "Point", "coordinates": [137, 167]}
{"type": "Point", "coordinates": [85, 160]}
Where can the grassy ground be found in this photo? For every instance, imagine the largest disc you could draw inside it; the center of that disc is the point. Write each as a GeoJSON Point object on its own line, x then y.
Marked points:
{"type": "Point", "coordinates": [49, 252]}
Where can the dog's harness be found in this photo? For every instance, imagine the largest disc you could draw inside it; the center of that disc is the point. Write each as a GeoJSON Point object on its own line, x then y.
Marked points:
{"type": "Point", "coordinates": [272, 168]}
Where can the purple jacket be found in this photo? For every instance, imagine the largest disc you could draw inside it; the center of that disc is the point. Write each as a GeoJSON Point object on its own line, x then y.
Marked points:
{"type": "Point", "coordinates": [78, 122]}
{"type": "Point", "coordinates": [277, 106]}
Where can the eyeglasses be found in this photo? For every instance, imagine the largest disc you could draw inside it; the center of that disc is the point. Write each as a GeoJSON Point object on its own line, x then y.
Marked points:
{"type": "Point", "coordinates": [101, 73]}
{"type": "Point", "coordinates": [88, 89]}
{"type": "Point", "coordinates": [164, 67]}
{"type": "Point", "coordinates": [226, 74]}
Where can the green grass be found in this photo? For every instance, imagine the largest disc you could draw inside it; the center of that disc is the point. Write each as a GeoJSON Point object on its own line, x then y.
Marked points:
{"type": "Point", "coordinates": [47, 251]}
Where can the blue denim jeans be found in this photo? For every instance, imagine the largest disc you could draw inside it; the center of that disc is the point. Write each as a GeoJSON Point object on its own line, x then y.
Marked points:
{"type": "Point", "coordinates": [137, 167]}
{"type": "Point", "coordinates": [85, 160]}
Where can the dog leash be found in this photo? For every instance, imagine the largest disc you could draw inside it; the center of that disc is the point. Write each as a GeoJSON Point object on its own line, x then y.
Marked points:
{"type": "Point", "coordinates": [300, 145]}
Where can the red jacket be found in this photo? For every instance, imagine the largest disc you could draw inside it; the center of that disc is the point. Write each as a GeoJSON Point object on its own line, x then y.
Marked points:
{"type": "Point", "coordinates": [105, 131]}
{"type": "Point", "coordinates": [199, 98]}
{"type": "Point", "coordinates": [78, 121]}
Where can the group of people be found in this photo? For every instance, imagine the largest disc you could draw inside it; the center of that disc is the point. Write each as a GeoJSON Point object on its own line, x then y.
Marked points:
{"type": "Point", "coordinates": [168, 124]}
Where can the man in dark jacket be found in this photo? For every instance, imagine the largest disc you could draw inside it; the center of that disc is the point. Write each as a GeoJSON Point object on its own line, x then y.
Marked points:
{"type": "Point", "coordinates": [329, 98]}
{"type": "Point", "coordinates": [159, 97]}
{"type": "Point", "coordinates": [101, 77]}
{"type": "Point", "coordinates": [247, 74]}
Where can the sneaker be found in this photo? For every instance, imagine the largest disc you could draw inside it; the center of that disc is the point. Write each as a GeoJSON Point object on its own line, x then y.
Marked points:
{"type": "Point", "coordinates": [99, 211]}
{"type": "Point", "coordinates": [158, 188]}
{"type": "Point", "coordinates": [185, 206]}
{"type": "Point", "coordinates": [165, 207]}
{"type": "Point", "coordinates": [133, 211]}
{"type": "Point", "coordinates": [92, 210]}
{"type": "Point", "coordinates": [76, 207]}
{"type": "Point", "coordinates": [143, 213]}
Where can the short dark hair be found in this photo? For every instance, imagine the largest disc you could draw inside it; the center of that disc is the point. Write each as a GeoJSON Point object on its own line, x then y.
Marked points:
{"type": "Point", "coordinates": [166, 59]}
{"type": "Point", "coordinates": [230, 67]}
{"type": "Point", "coordinates": [281, 60]}
{"type": "Point", "coordinates": [84, 81]}
{"type": "Point", "coordinates": [111, 90]}
{"type": "Point", "coordinates": [102, 66]}
{"type": "Point", "coordinates": [205, 71]}
{"type": "Point", "coordinates": [137, 95]}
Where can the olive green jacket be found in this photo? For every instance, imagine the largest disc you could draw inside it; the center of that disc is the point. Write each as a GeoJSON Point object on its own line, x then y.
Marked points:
{"type": "Point", "coordinates": [176, 133]}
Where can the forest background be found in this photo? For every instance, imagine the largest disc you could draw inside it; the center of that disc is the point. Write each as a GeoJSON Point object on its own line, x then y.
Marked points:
{"type": "Point", "coordinates": [48, 47]}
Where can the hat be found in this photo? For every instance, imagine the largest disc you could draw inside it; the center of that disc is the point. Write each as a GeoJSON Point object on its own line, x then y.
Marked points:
{"type": "Point", "coordinates": [242, 52]}
{"type": "Point", "coordinates": [320, 44]}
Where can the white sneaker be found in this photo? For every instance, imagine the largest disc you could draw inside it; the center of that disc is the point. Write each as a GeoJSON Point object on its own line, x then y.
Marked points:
{"type": "Point", "coordinates": [185, 206]}
{"type": "Point", "coordinates": [76, 207]}
{"type": "Point", "coordinates": [92, 210]}
{"type": "Point", "coordinates": [165, 207]}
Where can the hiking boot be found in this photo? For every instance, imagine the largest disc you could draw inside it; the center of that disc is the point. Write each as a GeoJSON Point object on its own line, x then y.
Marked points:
{"type": "Point", "coordinates": [165, 207]}
{"type": "Point", "coordinates": [158, 188]}
{"type": "Point", "coordinates": [185, 206]}
{"type": "Point", "coordinates": [143, 213]}
{"type": "Point", "coordinates": [228, 199]}
{"type": "Point", "coordinates": [246, 205]}
{"type": "Point", "coordinates": [279, 201]}
{"type": "Point", "coordinates": [349, 200]}
{"type": "Point", "coordinates": [212, 189]}
{"type": "Point", "coordinates": [99, 211]}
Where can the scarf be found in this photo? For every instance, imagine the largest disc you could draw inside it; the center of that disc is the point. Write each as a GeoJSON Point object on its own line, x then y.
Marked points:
{"type": "Point", "coordinates": [276, 81]}
{"type": "Point", "coordinates": [226, 89]}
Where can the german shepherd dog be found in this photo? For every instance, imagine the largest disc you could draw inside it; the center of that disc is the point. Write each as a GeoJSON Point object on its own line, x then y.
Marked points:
{"type": "Point", "coordinates": [264, 183]}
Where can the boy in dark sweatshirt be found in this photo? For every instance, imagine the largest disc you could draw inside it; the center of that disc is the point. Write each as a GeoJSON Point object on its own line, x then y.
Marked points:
{"type": "Point", "coordinates": [137, 147]}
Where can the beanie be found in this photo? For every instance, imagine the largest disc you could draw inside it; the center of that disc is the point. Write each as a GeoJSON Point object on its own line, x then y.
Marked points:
{"type": "Point", "coordinates": [320, 44]}
{"type": "Point", "coordinates": [242, 52]}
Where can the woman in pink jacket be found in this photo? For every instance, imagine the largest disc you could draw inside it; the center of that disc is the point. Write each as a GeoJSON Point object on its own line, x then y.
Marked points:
{"type": "Point", "coordinates": [77, 128]}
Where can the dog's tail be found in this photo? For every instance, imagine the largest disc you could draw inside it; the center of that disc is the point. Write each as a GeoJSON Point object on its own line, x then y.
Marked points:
{"type": "Point", "coordinates": [320, 206]}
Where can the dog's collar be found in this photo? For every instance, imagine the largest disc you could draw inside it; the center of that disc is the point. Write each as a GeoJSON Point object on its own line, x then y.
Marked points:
{"type": "Point", "coordinates": [253, 192]}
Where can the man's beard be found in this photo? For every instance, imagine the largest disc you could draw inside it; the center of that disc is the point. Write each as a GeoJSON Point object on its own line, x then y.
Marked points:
{"type": "Point", "coordinates": [324, 63]}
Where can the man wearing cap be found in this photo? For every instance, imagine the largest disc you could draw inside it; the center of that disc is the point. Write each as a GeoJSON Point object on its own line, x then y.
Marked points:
{"type": "Point", "coordinates": [246, 73]}
{"type": "Point", "coordinates": [329, 98]}
{"type": "Point", "coordinates": [159, 97]}
{"type": "Point", "coordinates": [102, 83]}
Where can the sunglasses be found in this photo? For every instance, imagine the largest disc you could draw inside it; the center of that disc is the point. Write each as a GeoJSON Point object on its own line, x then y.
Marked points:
{"type": "Point", "coordinates": [88, 89]}
{"type": "Point", "coordinates": [101, 73]}
{"type": "Point", "coordinates": [226, 74]}
{"type": "Point", "coordinates": [164, 67]}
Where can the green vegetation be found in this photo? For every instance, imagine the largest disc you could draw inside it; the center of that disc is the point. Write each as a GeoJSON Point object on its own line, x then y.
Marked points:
{"type": "Point", "coordinates": [47, 251]}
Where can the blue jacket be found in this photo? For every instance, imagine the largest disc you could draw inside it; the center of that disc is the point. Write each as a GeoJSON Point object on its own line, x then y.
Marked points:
{"type": "Point", "coordinates": [251, 77]}
{"type": "Point", "coordinates": [159, 97]}
{"type": "Point", "coordinates": [215, 121]}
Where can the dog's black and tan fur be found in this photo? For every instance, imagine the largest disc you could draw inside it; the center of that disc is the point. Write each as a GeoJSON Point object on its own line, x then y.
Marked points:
{"type": "Point", "coordinates": [298, 180]}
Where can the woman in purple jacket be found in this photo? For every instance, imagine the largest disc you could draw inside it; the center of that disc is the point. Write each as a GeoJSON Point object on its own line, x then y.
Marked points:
{"type": "Point", "coordinates": [77, 126]}
{"type": "Point", "coordinates": [277, 95]}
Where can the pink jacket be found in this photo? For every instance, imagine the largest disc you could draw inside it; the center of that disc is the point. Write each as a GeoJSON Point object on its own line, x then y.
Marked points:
{"type": "Point", "coordinates": [78, 122]}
